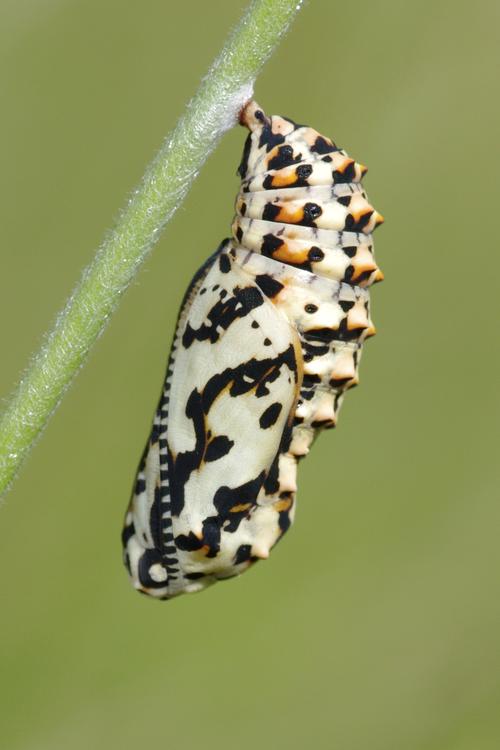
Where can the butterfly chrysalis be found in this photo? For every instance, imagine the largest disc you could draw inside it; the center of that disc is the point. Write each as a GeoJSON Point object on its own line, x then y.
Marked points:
{"type": "Point", "coordinates": [268, 340]}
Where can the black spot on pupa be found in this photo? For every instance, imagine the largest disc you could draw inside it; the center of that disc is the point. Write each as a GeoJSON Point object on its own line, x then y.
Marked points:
{"type": "Point", "coordinates": [345, 334]}
{"type": "Point", "coordinates": [218, 447]}
{"type": "Point", "coordinates": [269, 286]}
{"type": "Point", "coordinates": [270, 243]}
{"type": "Point", "coordinates": [349, 273]}
{"type": "Point", "coordinates": [268, 138]}
{"type": "Point", "coordinates": [344, 200]}
{"type": "Point", "coordinates": [303, 171]}
{"type": "Point", "coordinates": [267, 342]}
{"type": "Point", "coordinates": [284, 521]}
{"type": "Point", "coordinates": [270, 212]}
{"type": "Point", "coordinates": [315, 350]}
{"type": "Point", "coordinates": [346, 305]}
{"type": "Point", "coordinates": [270, 415]}
{"type": "Point", "coordinates": [255, 324]}
{"type": "Point", "coordinates": [211, 535]}
{"type": "Point", "coordinates": [323, 146]}
{"type": "Point", "coordinates": [364, 276]}
{"type": "Point", "coordinates": [239, 234]}
{"type": "Point", "coordinates": [229, 501]}
{"type": "Point", "coordinates": [347, 175]}
{"type": "Point", "coordinates": [323, 335]}
{"type": "Point", "coordinates": [350, 251]}
{"type": "Point", "coordinates": [311, 212]}
{"type": "Point", "coordinates": [210, 538]}
{"type": "Point", "coordinates": [352, 225]}
{"type": "Point", "coordinates": [189, 542]}
{"type": "Point", "coordinates": [194, 576]}
{"type": "Point", "coordinates": [307, 395]}
{"type": "Point", "coordinates": [339, 382]}
{"type": "Point", "coordinates": [242, 169]}
{"type": "Point", "coordinates": [315, 254]}
{"type": "Point", "coordinates": [127, 533]}
{"type": "Point", "coordinates": [271, 485]}
{"type": "Point", "coordinates": [284, 158]}
{"type": "Point", "coordinates": [140, 486]}
{"type": "Point", "coordinates": [325, 423]}
{"type": "Point", "coordinates": [243, 208]}
{"type": "Point", "coordinates": [310, 380]}
{"type": "Point", "coordinates": [311, 309]}
{"type": "Point", "coordinates": [224, 263]}
{"type": "Point", "coordinates": [243, 554]}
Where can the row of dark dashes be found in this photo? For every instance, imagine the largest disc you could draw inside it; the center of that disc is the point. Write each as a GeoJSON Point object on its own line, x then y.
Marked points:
{"type": "Point", "coordinates": [169, 553]}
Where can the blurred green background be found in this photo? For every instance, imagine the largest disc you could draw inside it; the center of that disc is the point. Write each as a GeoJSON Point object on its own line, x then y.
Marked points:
{"type": "Point", "coordinates": [375, 624]}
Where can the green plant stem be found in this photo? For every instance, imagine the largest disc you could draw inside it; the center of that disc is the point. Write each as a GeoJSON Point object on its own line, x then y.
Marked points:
{"type": "Point", "coordinates": [213, 110]}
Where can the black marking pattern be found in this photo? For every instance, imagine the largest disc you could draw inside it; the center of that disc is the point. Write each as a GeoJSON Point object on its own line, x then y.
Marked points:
{"type": "Point", "coordinates": [192, 520]}
{"type": "Point", "coordinates": [252, 376]}
{"type": "Point", "coordinates": [222, 315]}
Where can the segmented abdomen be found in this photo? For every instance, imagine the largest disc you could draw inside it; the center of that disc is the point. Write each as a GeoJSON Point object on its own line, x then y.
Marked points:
{"type": "Point", "coordinates": [301, 203]}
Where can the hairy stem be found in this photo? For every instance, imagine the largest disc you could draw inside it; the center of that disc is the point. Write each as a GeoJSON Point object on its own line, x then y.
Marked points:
{"type": "Point", "coordinates": [213, 110]}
